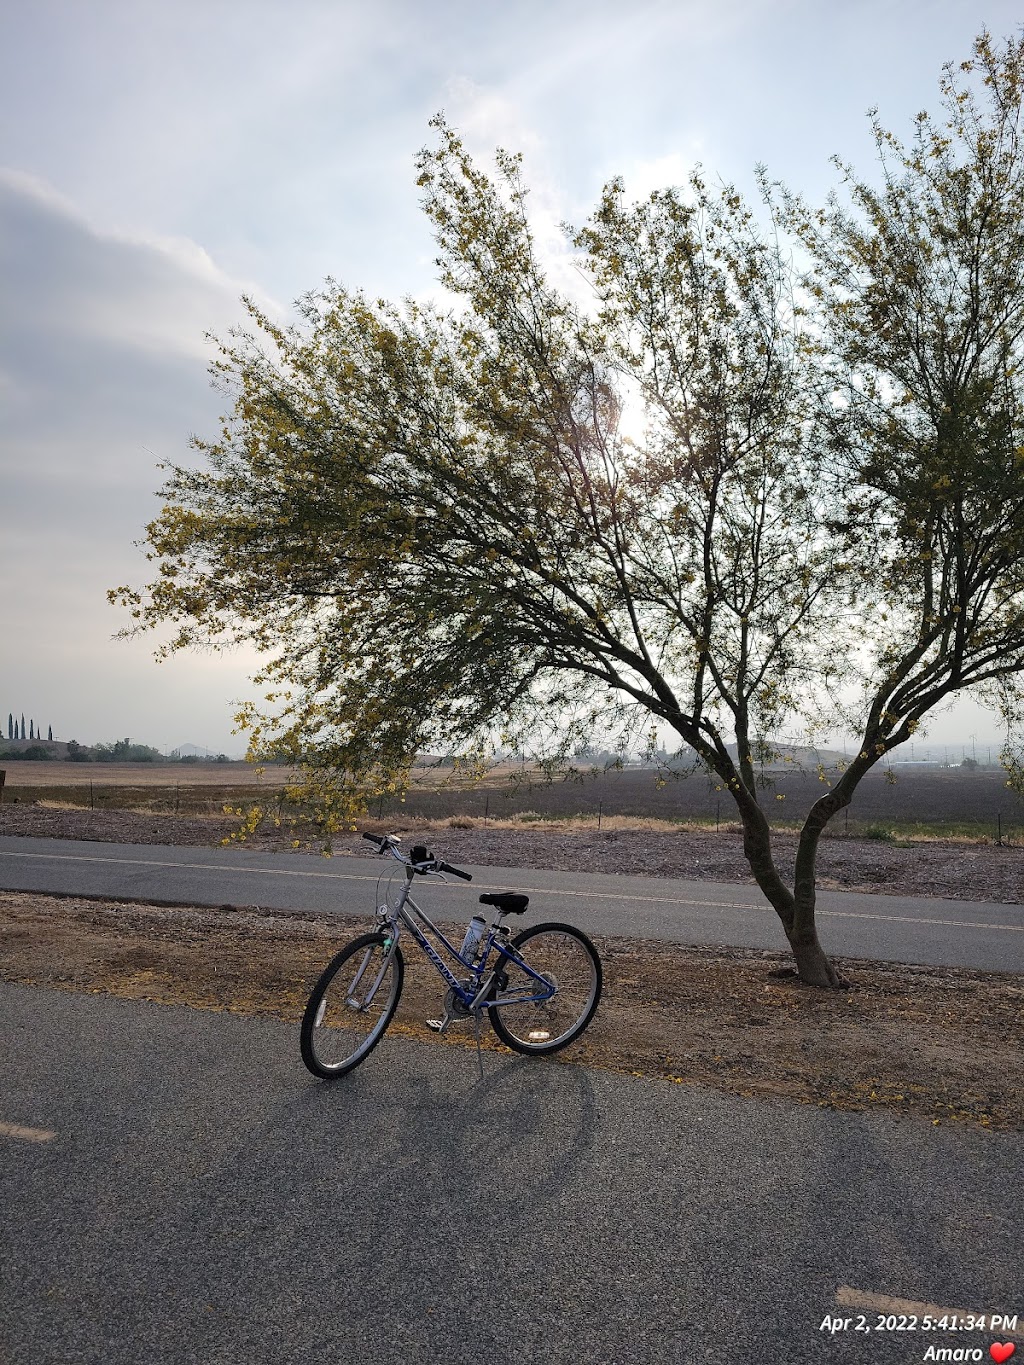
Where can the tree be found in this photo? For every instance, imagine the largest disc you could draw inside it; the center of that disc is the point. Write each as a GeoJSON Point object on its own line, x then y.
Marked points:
{"type": "Point", "coordinates": [10, 724]}
{"type": "Point", "coordinates": [432, 524]}
{"type": "Point", "coordinates": [23, 725]}
{"type": "Point", "coordinates": [919, 294]}
{"type": "Point", "coordinates": [124, 751]}
{"type": "Point", "coordinates": [49, 733]}
{"type": "Point", "coordinates": [37, 752]}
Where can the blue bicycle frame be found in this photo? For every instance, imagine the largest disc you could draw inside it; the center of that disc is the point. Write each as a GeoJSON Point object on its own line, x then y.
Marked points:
{"type": "Point", "coordinates": [484, 975]}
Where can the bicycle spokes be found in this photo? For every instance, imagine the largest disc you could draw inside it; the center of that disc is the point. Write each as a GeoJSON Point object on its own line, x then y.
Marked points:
{"type": "Point", "coordinates": [351, 1006]}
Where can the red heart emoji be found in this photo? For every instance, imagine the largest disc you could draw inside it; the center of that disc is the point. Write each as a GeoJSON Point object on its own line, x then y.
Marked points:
{"type": "Point", "coordinates": [999, 1353]}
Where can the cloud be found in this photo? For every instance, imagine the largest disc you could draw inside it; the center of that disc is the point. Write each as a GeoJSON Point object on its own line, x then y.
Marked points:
{"type": "Point", "coordinates": [640, 178]}
{"type": "Point", "coordinates": [102, 374]}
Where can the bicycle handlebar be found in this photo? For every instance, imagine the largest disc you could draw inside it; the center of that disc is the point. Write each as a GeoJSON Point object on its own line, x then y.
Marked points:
{"type": "Point", "coordinates": [456, 871]}
{"type": "Point", "coordinates": [388, 842]}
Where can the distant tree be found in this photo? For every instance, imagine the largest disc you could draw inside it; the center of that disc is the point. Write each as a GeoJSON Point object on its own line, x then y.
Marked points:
{"type": "Point", "coordinates": [124, 751]}
{"type": "Point", "coordinates": [10, 725]}
{"type": "Point", "coordinates": [23, 724]}
{"type": "Point", "coordinates": [49, 733]}
{"type": "Point", "coordinates": [78, 753]}
{"type": "Point", "coordinates": [31, 730]}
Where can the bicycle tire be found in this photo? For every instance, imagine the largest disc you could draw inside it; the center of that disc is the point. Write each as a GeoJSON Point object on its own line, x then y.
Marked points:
{"type": "Point", "coordinates": [332, 1041]}
{"type": "Point", "coordinates": [563, 1018]}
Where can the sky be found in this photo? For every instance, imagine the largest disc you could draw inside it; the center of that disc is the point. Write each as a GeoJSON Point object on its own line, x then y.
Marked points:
{"type": "Point", "coordinates": [158, 161]}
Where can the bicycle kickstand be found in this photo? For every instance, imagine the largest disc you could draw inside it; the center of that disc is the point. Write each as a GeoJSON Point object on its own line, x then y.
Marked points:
{"type": "Point", "coordinates": [476, 1030]}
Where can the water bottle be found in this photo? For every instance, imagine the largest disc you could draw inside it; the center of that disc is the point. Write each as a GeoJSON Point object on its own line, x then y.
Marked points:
{"type": "Point", "coordinates": [474, 934]}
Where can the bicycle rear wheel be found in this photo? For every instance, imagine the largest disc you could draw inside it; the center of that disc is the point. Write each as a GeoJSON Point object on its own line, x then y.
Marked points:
{"type": "Point", "coordinates": [351, 1006]}
{"type": "Point", "coordinates": [566, 959]}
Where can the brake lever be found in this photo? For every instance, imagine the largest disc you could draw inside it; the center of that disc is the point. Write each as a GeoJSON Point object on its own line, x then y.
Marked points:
{"type": "Point", "coordinates": [428, 869]}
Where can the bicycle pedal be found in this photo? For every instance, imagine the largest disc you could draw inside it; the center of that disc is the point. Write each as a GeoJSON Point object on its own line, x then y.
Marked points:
{"type": "Point", "coordinates": [440, 1025]}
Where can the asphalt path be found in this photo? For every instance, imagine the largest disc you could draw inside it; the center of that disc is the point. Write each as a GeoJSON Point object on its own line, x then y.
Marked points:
{"type": "Point", "coordinates": [176, 1189]}
{"type": "Point", "coordinates": [978, 934]}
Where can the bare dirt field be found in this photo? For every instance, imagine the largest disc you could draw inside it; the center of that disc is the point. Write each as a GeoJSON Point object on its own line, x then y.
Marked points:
{"type": "Point", "coordinates": [978, 801]}
{"type": "Point", "coordinates": [938, 1044]}
{"type": "Point", "coordinates": [167, 775]}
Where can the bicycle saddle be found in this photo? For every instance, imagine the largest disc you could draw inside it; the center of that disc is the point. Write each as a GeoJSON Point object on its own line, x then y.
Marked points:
{"type": "Point", "coordinates": [508, 902]}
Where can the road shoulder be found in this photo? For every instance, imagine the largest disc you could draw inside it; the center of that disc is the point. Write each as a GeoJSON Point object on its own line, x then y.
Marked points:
{"type": "Point", "coordinates": [935, 1044]}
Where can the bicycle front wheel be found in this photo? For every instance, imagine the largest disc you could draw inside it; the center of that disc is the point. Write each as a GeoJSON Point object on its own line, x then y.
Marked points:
{"type": "Point", "coordinates": [567, 960]}
{"type": "Point", "coordinates": [351, 1006]}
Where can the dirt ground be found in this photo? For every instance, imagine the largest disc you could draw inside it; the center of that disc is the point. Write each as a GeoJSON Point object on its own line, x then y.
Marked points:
{"type": "Point", "coordinates": [934, 1044]}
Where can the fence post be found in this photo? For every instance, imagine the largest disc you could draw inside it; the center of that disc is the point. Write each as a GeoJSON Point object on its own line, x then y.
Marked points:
{"type": "Point", "coordinates": [999, 826]}
{"type": "Point", "coordinates": [90, 794]}
{"type": "Point", "coordinates": [718, 816]}
{"type": "Point", "coordinates": [600, 809]}
{"type": "Point", "coordinates": [3, 778]}
{"type": "Point", "coordinates": [487, 807]}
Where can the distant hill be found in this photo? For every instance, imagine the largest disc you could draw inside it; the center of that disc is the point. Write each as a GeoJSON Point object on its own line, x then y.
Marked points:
{"type": "Point", "coordinates": [198, 753]}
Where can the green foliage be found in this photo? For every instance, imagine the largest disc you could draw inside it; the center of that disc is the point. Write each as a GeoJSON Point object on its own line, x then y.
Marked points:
{"type": "Point", "coordinates": [919, 298]}
{"type": "Point", "coordinates": [432, 524]}
{"type": "Point", "coordinates": [124, 751]}
{"type": "Point", "coordinates": [34, 753]}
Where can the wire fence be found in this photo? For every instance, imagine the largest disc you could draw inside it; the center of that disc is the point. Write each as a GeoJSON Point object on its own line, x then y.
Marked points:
{"type": "Point", "coordinates": [982, 812]}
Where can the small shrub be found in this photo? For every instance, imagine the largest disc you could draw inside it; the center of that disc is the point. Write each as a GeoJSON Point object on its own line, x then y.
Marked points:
{"type": "Point", "coordinates": [879, 832]}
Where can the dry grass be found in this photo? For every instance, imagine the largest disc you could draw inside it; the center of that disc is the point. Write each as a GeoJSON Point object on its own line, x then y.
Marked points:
{"type": "Point", "coordinates": [546, 824]}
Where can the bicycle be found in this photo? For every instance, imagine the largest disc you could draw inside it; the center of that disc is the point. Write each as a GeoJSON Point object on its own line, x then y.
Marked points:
{"type": "Point", "coordinates": [539, 990]}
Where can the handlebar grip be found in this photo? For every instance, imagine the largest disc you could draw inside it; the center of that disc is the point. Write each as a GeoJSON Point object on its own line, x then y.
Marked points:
{"type": "Point", "coordinates": [374, 839]}
{"type": "Point", "coordinates": [455, 871]}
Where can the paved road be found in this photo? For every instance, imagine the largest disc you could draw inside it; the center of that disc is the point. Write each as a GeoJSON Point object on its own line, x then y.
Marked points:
{"type": "Point", "coordinates": [898, 929]}
{"type": "Point", "coordinates": [176, 1190]}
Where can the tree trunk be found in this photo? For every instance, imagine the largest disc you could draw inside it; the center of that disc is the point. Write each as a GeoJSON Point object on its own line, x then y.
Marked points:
{"type": "Point", "coordinates": [812, 964]}
{"type": "Point", "coordinates": [795, 909]}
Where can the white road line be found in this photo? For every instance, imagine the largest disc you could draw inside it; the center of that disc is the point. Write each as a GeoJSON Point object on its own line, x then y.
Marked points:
{"type": "Point", "coordinates": [192, 867]}
{"type": "Point", "coordinates": [530, 890]}
{"type": "Point", "coordinates": [846, 1297]}
{"type": "Point", "coordinates": [911, 919]}
{"type": "Point", "coordinates": [16, 1130]}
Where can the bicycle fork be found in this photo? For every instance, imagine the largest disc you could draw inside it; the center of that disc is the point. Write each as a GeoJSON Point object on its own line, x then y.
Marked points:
{"type": "Point", "coordinates": [352, 1000]}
